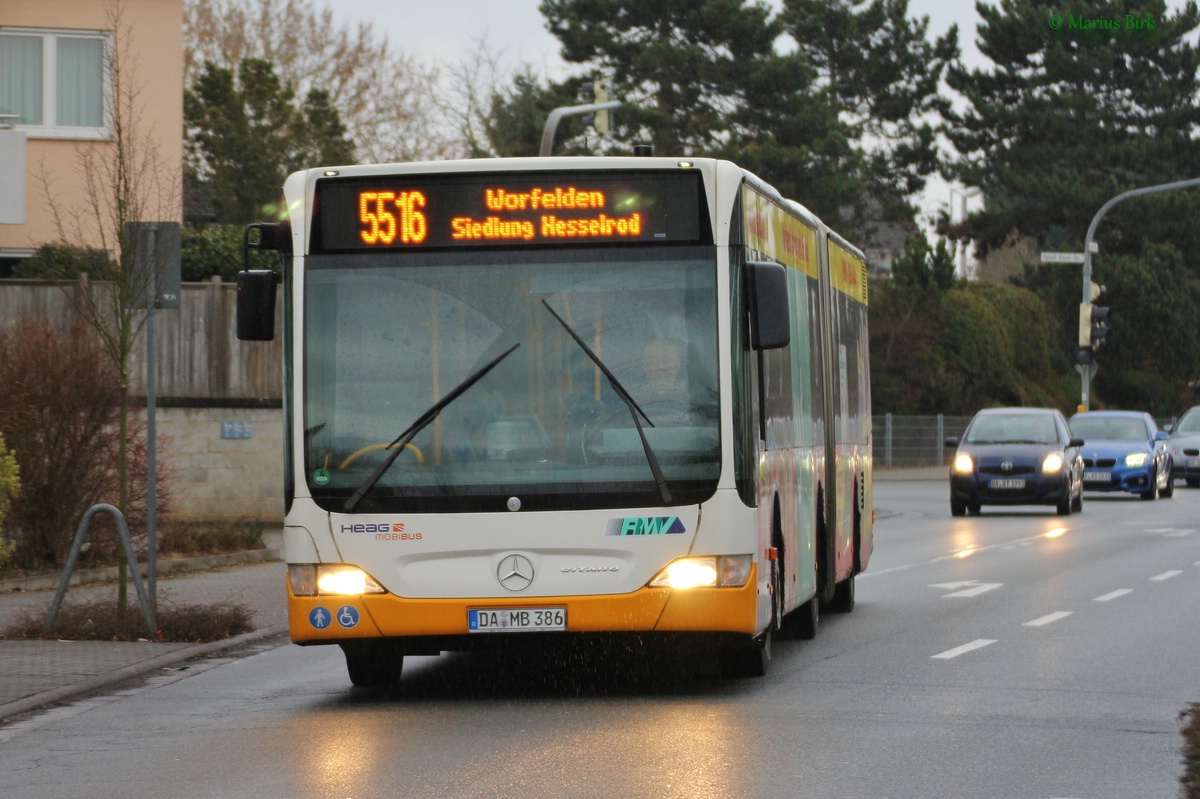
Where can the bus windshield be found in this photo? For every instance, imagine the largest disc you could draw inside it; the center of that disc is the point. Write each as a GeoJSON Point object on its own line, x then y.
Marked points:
{"type": "Point", "coordinates": [388, 336]}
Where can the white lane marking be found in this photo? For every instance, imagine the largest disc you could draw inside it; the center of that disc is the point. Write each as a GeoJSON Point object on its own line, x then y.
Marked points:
{"type": "Point", "coordinates": [1171, 532]}
{"type": "Point", "coordinates": [1111, 595]}
{"type": "Point", "coordinates": [968, 588]}
{"type": "Point", "coordinates": [1047, 619]}
{"type": "Point", "coordinates": [960, 650]}
{"type": "Point", "coordinates": [1158, 578]}
{"type": "Point", "coordinates": [957, 555]}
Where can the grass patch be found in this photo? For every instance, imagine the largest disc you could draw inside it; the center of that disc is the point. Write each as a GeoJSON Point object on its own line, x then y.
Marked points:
{"type": "Point", "coordinates": [99, 621]}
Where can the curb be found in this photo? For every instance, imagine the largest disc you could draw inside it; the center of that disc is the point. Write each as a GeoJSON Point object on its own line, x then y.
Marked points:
{"type": "Point", "coordinates": [108, 574]}
{"type": "Point", "coordinates": [75, 690]}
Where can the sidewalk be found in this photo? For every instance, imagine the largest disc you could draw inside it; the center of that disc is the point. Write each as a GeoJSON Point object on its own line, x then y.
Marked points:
{"type": "Point", "coordinates": [38, 673]}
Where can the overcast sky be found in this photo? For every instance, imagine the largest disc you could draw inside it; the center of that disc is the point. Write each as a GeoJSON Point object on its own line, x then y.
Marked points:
{"type": "Point", "coordinates": [445, 31]}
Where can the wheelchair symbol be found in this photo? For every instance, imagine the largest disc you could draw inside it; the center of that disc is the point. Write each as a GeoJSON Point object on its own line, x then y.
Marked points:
{"type": "Point", "coordinates": [347, 616]}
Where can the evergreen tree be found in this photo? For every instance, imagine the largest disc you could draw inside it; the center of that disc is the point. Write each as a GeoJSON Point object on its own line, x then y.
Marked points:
{"type": "Point", "coordinates": [877, 77]}
{"type": "Point", "coordinates": [246, 133]}
{"type": "Point", "coordinates": [921, 267]}
{"type": "Point", "coordinates": [1067, 118]}
{"type": "Point", "coordinates": [678, 65]}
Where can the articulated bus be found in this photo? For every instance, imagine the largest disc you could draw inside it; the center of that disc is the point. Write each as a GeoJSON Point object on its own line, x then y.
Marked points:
{"type": "Point", "coordinates": [553, 399]}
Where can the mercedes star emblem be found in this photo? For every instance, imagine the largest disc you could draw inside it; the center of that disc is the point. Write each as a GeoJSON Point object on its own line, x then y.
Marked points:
{"type": "Point", "coordinates": [515, 572]}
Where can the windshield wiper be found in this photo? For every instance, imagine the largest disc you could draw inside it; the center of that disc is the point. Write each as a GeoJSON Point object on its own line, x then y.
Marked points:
{"type": "Point", "coordinates": [623, 395]}
{"type": "Point", "coordinates": [422, 421]}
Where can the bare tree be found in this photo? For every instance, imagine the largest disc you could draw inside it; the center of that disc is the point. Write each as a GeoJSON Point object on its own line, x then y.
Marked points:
{"type": "Point", "coordinates": [383, 96]}
{"type": "Point", "coordinates": [124, 180]}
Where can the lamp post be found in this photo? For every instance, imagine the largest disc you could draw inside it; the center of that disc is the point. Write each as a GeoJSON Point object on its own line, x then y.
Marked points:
{"type": "Point", "coordinates": [1085, 383]}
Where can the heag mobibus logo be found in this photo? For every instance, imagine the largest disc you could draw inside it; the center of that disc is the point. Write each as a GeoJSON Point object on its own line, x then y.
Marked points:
{"type": "Point", "coordinates": [383, 531]}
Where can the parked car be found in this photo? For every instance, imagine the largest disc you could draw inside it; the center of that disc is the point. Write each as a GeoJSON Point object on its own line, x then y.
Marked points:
{"type": "Point", "coordinates": [1125, 451]}
{"type": "Point", "coordinates": [1184, 446]}
{"type": "Point", "coordinates": [1016, 456]}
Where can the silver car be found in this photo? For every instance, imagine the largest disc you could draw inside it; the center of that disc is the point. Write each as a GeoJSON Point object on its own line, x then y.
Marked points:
{"type": "Point", "coordinates": [1185, 447]}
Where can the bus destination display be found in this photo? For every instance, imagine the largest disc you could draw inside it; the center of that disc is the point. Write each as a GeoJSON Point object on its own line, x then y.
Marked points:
{"type": "Point", "coordinates": [521, 209]}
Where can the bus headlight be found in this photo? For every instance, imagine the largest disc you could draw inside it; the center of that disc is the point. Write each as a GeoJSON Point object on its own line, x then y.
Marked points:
{"type": "Point", "coordinates": [725, 572]}
{"type": "Point", "coordinates": [1136, 459]}
{"type": "Point", "coordinates": [963, 464]}
{"type": "Point", "coordinates": [309, 579]}
{"type": "Point", "coordinates": [1053, 463]}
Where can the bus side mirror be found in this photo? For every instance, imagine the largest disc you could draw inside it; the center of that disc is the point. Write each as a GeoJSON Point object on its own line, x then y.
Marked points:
{"type": "Point", "coordinates": [256, 305]}
{"type": "Point", "coordinates": [770, 318]}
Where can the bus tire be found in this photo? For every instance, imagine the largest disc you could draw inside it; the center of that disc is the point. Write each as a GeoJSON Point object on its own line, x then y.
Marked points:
{"type": "Point", "coordinates": [843, 596]}
{"type": "Point", "coordinates": [372, 667]}
{"type": "Point", "coordinates": [802, 622]}
{"type": "Point", "coordinates": [746, 658]}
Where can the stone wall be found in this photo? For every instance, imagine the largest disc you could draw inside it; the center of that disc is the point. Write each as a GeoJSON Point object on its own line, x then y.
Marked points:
{"type": "Point", "coordinates": [226, 463]}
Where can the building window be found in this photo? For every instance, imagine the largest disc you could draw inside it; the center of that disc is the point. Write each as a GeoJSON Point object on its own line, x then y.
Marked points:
{"type": "Point", "coordinates": [55, 84]}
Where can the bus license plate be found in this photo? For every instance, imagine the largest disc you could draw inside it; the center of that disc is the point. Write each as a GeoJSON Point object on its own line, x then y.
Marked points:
{"type": "Point", "coordinates": [1007, 483]}
{"type": "Point", "coordinates": [516, 620]}
{"type": "Point", "coordinates": [1097, 477]}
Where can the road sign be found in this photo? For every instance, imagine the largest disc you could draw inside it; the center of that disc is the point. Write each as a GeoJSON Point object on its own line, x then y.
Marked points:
{"type": "Point", "coordinates": [1062, 257]}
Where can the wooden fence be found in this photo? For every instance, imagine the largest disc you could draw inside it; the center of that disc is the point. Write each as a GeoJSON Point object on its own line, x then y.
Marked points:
{"type": "Point", "coordinates": [198, 358]}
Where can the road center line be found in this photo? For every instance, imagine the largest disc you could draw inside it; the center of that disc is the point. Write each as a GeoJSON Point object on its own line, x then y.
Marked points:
{"type": "Point", "coordinates": [1044, 620]}
{"type": "Point", "coordinates": [1113, 595]}
{"type": "Point", "coordinates": [1158, 578]}
{"type": "Point", "coordinates": [961, 650]}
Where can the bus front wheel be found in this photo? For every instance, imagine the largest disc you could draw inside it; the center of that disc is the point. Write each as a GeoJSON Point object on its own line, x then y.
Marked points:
{"type": "Point", "coordinates": [372, 667]}
{"type": "Point", "coordinates": [746, 658]}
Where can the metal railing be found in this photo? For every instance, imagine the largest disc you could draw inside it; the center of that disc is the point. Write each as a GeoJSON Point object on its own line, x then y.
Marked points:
{"type": "Point", "coordinates": [901, 441]}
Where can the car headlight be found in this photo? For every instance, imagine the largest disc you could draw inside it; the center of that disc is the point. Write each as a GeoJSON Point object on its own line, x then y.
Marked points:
{"type": "Point", "coordinates": [1052, 464]}
{"type": "Point", "coordinates": [309, 579]}
{"type": "Point", "coordinates": [727, 571]}
{"type": "Point", "coordinates": [963, 464]}
{"type": "Point", "coordinates": [1136, 459]}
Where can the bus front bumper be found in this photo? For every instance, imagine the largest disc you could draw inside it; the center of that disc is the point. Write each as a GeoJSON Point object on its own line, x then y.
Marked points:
{"type": "Point", "coordinates": [333, 619]}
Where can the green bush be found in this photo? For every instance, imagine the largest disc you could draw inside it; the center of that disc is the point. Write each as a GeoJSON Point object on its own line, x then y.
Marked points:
{"type": "Point", "coordinates": [10, 487]}
{"type": "Point", "coordinates": [217, 250]}
{"type": "Point", "coordinates": [62, 262]}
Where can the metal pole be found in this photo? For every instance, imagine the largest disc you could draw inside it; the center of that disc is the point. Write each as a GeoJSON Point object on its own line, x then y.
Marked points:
{"type": "Point", "coordinates": [1084, 374]}
{"type": "Point", "coordinates": [151, 465]}
{"type": "Point", "coordinates": [566, 111]}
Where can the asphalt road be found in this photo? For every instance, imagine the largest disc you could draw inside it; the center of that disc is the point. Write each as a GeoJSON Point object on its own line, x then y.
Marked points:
{"type": "Point", "coordinates": [1014, 654]}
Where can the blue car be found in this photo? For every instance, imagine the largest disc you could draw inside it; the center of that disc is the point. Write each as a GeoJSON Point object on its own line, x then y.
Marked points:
{"type": "Point", "coordinates": [1124, 451]}
{"type": "Point", "coordinates": [1016, 456]}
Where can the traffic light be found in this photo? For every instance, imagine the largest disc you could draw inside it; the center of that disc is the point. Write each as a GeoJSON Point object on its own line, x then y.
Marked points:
{"type": "Point", "coordinates": [1099, 328]}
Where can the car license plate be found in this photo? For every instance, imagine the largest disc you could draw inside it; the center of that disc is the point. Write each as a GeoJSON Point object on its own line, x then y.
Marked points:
{"type": "Point", "coordinates": [1193, 463]}
{"type": "Point", "coordinates": [1007, 483]}
{"type": "Point", "coordinates": [1097, 477]}
{"type": "Point", "coordinates": [510, 620]}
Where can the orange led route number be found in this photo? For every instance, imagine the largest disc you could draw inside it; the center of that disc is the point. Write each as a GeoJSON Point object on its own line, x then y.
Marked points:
{"type": "Point", "coordinates": [382, 225]}
{"type": "Point", "coordinates": [386, 215]}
